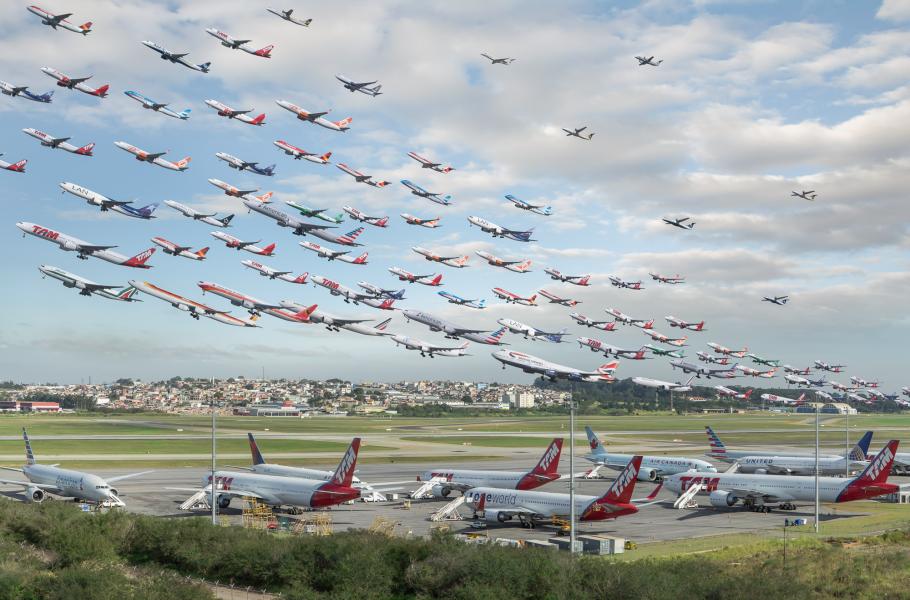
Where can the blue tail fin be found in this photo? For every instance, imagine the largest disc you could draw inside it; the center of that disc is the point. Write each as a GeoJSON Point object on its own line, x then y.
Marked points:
{"type": "Point", "coordinates": [861, 450]}
{"type": "Point", "coordinates": [254, 450]}
{"type": "Point", "coordinates": [204, 66]}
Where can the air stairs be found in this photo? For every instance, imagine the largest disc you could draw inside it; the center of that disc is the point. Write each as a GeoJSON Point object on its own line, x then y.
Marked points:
{"type": "Point", "coordinates": [198, 501]}
{"type": "Point", "coordinates": [424, 491]}
{"type": "Point", "coordinates": [449, 512]}
{"type": "Point", "coordinates": [687, 498]}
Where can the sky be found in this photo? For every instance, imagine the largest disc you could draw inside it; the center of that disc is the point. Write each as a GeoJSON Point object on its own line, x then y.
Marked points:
{"type": "Point", "coordinates": [752, 100]}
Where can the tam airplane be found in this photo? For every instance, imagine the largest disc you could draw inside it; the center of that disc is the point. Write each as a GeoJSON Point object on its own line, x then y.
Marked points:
{"type": "Point", "coordinates": [370, 88]}
{"type": "Point", "coordinates": [587, 322]}
{"type": "Point", "coordinates": [50, 141]}
{"type": "Point", "coordinates": [167, 55]}
{"type": "Point", "coordinates": [431, 279]}
{"type": "Point", "coordinates": [458, 262]}
{"type": "Point", "coordinates": [360, 177]}
{"type": "Point", "coordinates": [555, 275]}
{"type": "Point", "coordinates": [625, 319]}
{"type": "Point", "coordinates": [237, 244]}
{"type": "Point", "coordinates": [514, 298]}
{"type": "Point", "coordinates": [76, 83]}
{"type": "Point", "coordinates": [666, 386]}
{"type": "Point", "coordinates": [675, 280]}
{"type": "Point", "coordinates": [158, 107]}
{"type": "Point", "coordinates": [21, 91]}
{"type": "Point", "coordinates": [501, 232]}
{"type": "Point", "coordinates": [379, 292]}
{"type": "Point", "coordinates": [315, 117]}
{"type": "Point", "coordinates": [653, 468]}
{"type": "Point", "coordinates": [428, 223]}
{"type": "Point", "coordinates": [173, 249]}
{"type": "Point", "coordinates": [628, 285]}
{"type": "Point", "coordinates": [470, 303]}
{"type": "Point", "coordinates": [365, 218]}
{"type": "Point", "coordinates": [241, 115]}
{"type": "Point", "coordinates": [299, 153]}
{"type": "Point", "coordinates": [436, 197]}
{"type": "Point", "coordinates": [315, 213]}
{"type": "Point", "coordinates": [271, 273]}
{"type": "Point", "coordinates": [338, 289]}
{"type": "Point", "coordinates": [730, 393]}
{"type": "Point", "coordinates": [540, 209]}
{"type": "Point", "coordinates": [195, 309]}
{"type": "Point", "coordinates": [439, 482]}
{"type": "Point", "coordinates": [609, 350]}
{"type": "Point", "coordinates": [533, 333]}
{"type": "Point", "coordinates": [253, 305]}
{"type": "Point", "coordinates": [718, 349]}
{"type": "Point", "coordinates": [342, 255]}
{"type": "Point", "coordinates": [243, 165]}
{"type": "Point", "coordinates": [553, 371]}
{"type": "Point", "coordinates": [554, 299]}
{"type": "Point", "coordinates": [85, 249]}
{"type": "Point", "coordinates": [426, 163]}
{"type": "Point", "coordinates": [674, 322]}
{"type": "Point", "coordinates": [88, 287]}
{"type": "Point", "coordinates": [106, 204]}
{"type": "Point", "coordinates": [228, 42]}
{"type": "Point", "coordinates": [154, 157]}
{"type": "Point", "coordinates": [769, 374]}
{"type": "Point", "coordinates": [659, 337]}
{"type": "Point", "coordinates": [516, 266]}
{"type": "Point", "coordinates": [286, 15]}
{"type": "Point", "coordinates": [207, 218]}
{"type": "Point", "coordinates": [54, 21]}
{"type": "Point", "coordinates": [428, 349]}
{"type": "Point", "coordinates": [859, 381]}
{"type": "Point", "coordinates": [285, 220]}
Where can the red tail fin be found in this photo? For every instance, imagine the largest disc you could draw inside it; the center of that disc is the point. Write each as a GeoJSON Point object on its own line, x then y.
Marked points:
{"type": "Point", "coordinates": [344, 474]}
{"type": "Point", "coordinates": [880, 466]}
{"type": "Point", "coordinates": [268, 250]}
{"type": "Point", "coordinates": [86, 27]}
{"type": "Point", "coordinates": [648, 324]}
{"type": "Point", "coordinates": [344, 122]}
{"type": "Point", "coordinates": [748, 394]}
{"type": "Point", "coordinates": [436, 280]}
{"type": "Point", "coordinates": [265, 52]}
{"type": "Point", "coordinates": [362, 259]}
{"type": "Point", "coordinates": [19, 167]}
{"type": "Point", "coordinates": [201, 253]}
{"type": "Point", "coordinates": [325, 157]}
{"type": "Point", "coordinates": [383, 222]}
{"type": "Point", "coordinates": [624, 484]}
{"type": "Point", "coordinates": [584, 280]}
{"type": "Point", "coordinates": [304, 315]}
{"type": "Point", "coordinates": [532, 299]}
{"type": "Point", "coordinates": [382, 183]}
{"type": "Point", "coordinates": [139, 260]}
{"type": "Point", "coordinates": [258, 120]}
{"type": "Point", "coordinates": [102, 91]}
{"type": "Point", "coordinates": [549, 462]}
{"type": "Point", "coordinates": [183, 162]}
{"type": "Point", "coordinates": [302, 278]}
{"type": "Point", "coordinates": [86, 149]}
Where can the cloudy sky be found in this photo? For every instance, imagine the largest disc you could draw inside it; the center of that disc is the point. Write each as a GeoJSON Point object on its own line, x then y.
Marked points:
{"type": "Point", "coordinates": [753, 100]}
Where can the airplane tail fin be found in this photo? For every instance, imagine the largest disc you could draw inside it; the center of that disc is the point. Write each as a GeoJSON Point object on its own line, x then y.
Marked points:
{"type": "Point", "coordinates": [266, 197]}
{"type": "Point", "coordinates": [325, 157]}
{"type": "Point", "coordinates": [447, 198]}
{"type": "Point", "coordinates": [382, 183]}
{"type": "Point", "coordinates": [29, 455]}
{"type": "Point", "coordinates": [481, 303]}
{"type": "Point", "coordinates": [620, 492]}
{"type": "Point", "coordinates": [436, 280]}
{"type": "Point", "coordinates": [183, 162]}
{"type": "Point", "coordinates": [699, 326]}
{"type": "Point", "coordinates": [268, 250]}
{"type": "Point", "coordinates": [204, 67]}
{"type": "Point", "coordinates": [265, 52]}
{"type": "Point", "coordinates": [383, 325]}
{"type": "Point", "coordinates": [861, 449]}
{"type": "Point", "coordinates": [86, 27]}
{"type": "Point", "coordinates": [101, 91]}
{"type": "Point", "coordinates": [127, 293]}
{"type": "Point", "coordinates": [18, 167]}
{"type": "Point", "coordinates": [532, 299]}
{"type": "Point", "coordinates": [86, 150]}
{"type": "Point", "coordinates": [258, 459]}
{"type": "Point", "coordinates": [717, 446]}
{"type": "Point", "coordinates": [460, 261]}
{"type": "Point", "coordinates": [608, 368]}
{"type": "Point", "coordinates": [878, 469]}
{"type": "Point", "coordinates": [362, 259]}
{"type": "Point", "coordinates": [139, 260]}
{"type": "Point", "coordinates": [593, 440]}
{"type": "Point", "coordinates": [344, 474]}
{"type": "Point", "coordinates": [147, 210]}
{"type": "Point", "coordinates": [448, 169]}
{"type": "Point", "coordinates": [344, 122]}
{"type": "Point", "coordinates": [302, 278]}
{"type": "Point", "coordinates": [584, 280]}
{"type": "Point", "coordinates": [549, 462]}
{"type": "Point", "coordinates": [387, 304]}
{"type": "Point", "coordinates": [258, 120]}
{"type": "Point", "coordinates": [648, 324]}
{"type": "Point", "coordinates": [548, 210]}
{"type": "Point", "coordinates": [202, 251]}
{"type": "Point", "coordinates": [382, 222]}
{"type": "Point", "coordinates": [304, 315]}
{"type": "Point", "coordinates": [747, 394]}
{"type": "Point", "coordinates": [225, 221]}
{"type": "Point", "coordinates": [524, 266]}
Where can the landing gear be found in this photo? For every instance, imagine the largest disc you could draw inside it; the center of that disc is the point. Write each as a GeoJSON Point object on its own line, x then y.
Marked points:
{"type": "Point", "coordinates": [787, 506]}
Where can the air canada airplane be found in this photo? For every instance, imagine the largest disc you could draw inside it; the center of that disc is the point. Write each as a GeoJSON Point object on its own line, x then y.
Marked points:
{"type": "Point", "coordinates": [553, 371]}
{"type": "Point", "coordinates": [647, 60]}
{"type": "Point", "coordinates": [228, 42]}
{"type": "Point", "coordinates": [577, 132]}
{"type": "Point", "coordinates": [653, 468]}
{"type": "Point", "coordinates": [805, 195]}
{"type": "Point", "coordinates": [498, 61]}
{"type": "Point", "coordinates": [779, 300]}
{"type": "Point", "coordinates": [370, 88]}
{"type": "Point", "coordinates": [55, 21]}
{"type": "Point", "coordinates": [287, 16]}
{"type": "Point", "coordinates": [681, 223]}
{"type": "Point", "coordinates": [87, 287]}
{"type": "Point", "coordinates": [177, 58]}
{"type": "Point", "coordinates": [85, 249]}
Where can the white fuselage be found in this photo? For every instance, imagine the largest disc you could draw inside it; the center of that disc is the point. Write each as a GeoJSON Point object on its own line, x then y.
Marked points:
{"type": "Point", "coordinates": [71, 244]}
{"type": "Point", "coordinates": [48, 140]}
{"type": "Point", "coordinates": [189, 212]}
{"type": "Point", "coordinates": [779, 487]}
{"type": "Point", "coordinates": [142, 155]}
{"type": "Point", "coordinates": [797, 465]}
{"type": "Point", "coordinates": [72, 484]}
{"type": "Point", "coordinates": [468, 478]}
{"type": "Point", "coordinates": [64, 81]}
{"type": "Point", "coordinates": [275, 490]}
{"type": "Point", "coordinates": [652, 467]}
{"type": "Point", "coordinates": [305, 115]}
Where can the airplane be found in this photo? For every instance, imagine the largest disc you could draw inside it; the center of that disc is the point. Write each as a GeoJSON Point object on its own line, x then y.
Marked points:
{"type": "Point", "coordinates": [763, 361]}
{"type": "Point", "coordinates": [498, 61]}
{"type": "Point", "coordinates": [228, 42]}
{"type": "Point", "coordinates": [628, 285]}
{"type": "Point", "coordinates": [653, 468]}
{"type": "Point", "coordinates": [76, 83]}
{"type": "Point", "coordinates": [454, 299]}
{"type": "Point", "coordinates": [365, 218]}
{"type": "Point", "coordinates": [242, 165]}
{"type": "Point", "coordinates": [363, 88]}
{"type": "Point", "coordinates": [236, 192]}
{"type": "Point", "coordinates": [805, 195]}
{"type": "Point", "coordinates": [157, 106]}
{"type": "Point", "coordinates": [346, 239]}
{"type": "Point", "coordinates": [514, 298]}
{"type": "Point", "coordinates": [286, 15]}
{"type": "Point", "coordinates": [756, 491]}
{"type": "Point", "coordinates": [173, 249]}
{"type": "Point", "coordinates": [501, 232]}
{"type": "Point", "coordinates": [490, 339]}
{"type": "Point", "coordinates": [334, 323]}
{"type": "Point", "coordinates": [426, 163]}
{"type": "Point", "coordinates": [842, 388]}
{"type": "Point", "coordinates": [680, 222]}
{"type": "Point", "coordinates": [241, 115]}
{"type": "Point", "coordinates": [379, 292]}
{"type": "Point", "coordinates": [50, 141]}
{"type": "Point", "coordinates": [338, 289]}
{"type": "Point", "coordinates": [435, 324]}
{"type": "Point", "coordinates": [316, 213]}
{"type": "Point", "coordinates": [783, 400]}
{"type": "Point", "coordinates": [286, 220]}
{"type": "Point", "coordinates": [705, 357]}
{"type": "Point", "coordinates": [797, 380]}
{"type": "Point", "coordinates": [380, 303]}
{"type": "Point", "coordinates": [533, 333]}
{"type": "Point", "coordinates": [820, 364]}
{"type": "Point", "coordinates": [610, 350]}
{"type": "Point", "coordinates": [554, 299]}
{"type": "Point", "coordinates": [458, 262]}
{"type": "Point", "coordinates": [555, 275]}
{"type": "Point", "coordinates": [85, 249]}
{"type": "Point", "coordinates": [664, 279]}
{"type": "Point", "coordinates": [720, 451]}
{"type": "Point", "coordinates": [154, 157]}
{"type": "Point", "coordinates": [433, 196]}
{"type": "Point", "coordinates": [87, 287]}
{"type": "Point", "coordinates": [657, 351]}
{"type": "Point", "coordinates": [192, 213]}
{"type": "Point", "coordinates": [278, 490]}
{"type": "Point", "coordinates": [779, 300]}
{"type": "Point", "coordinates": [674, 322]}
{"type": "Point", "coordinates": [342, 255]}
{"type": "Point", "coordinates": [516, 266]}
{"type": "Point", "coordinates": [54, 21]}
{"type": "Point", "coordinates": [236, 243]}
{"type": "Point", "coordinates": [271, 273]}
{"type": "Point", "coordinates": [428, 223]}
{"type": "Point", "coordinates": [649, 60]}
{"type": "Point", "coordinates": [733, 394]}
{"type": "Point", "coordinates": [859, 381]}
{"type": "Point", "coordinates": [195, 309]}
{"type": "Point", "coordinates": [51, 479]}
{"type": "Point", "coordinates": [576, 132]}
{"type": "Point", "coordinates": [299, 153]}
{"type": "Point", "coordinates": [794, 371]}
{"type": "Point", "coordinates": [769, 374]}
{"type": "Point", "coordinates": [166, 54]}
{"type": "Point", "coordinates": [105, 203]}
{"type": "Point", "coordinates": [553, 371]}
{"type": "Point", "coordinates": [666, 386]}
{"type": "Point", "coordinates": [253, 305]}
{"type": "Point", "coordinates": [428, 349]}
{"type": "Point", "coordinates": [440, 481]}
{"type": "Point", "coordinates": [698, 370]}
{"type": "Point", "coordinates": [854, 461]}
{"type": "Point", "coordinates": [360, 177]}
{"type": "Point", "coordinates": [315, 117]}
{"type": "Point", "coordinates": [9, 89]}
{"type": "Point", "coordinates": [659, 337]}
{"type": "Point", "coordinates": [604, 325]}
{"type": "Point", "coordinates": [818, 382]}
{"type": "Point", "coordinates": [718, 349]}
{"type": "Point", "coordinates": [540, 209]}
{"type": "Point", "coordinates": [625, 319]}
{"type": "Point", "coordinates": [431, 279]}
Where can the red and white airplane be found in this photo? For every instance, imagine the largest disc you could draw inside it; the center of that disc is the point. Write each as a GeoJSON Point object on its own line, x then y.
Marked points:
{"type": "Point", "coordinates": [365, 218]}
{"type": "Point", "coordinates": [554, 299]}
{"type": "Point", "coordinates": [674, 322]}
{"type": "Point", "coordinates": [705, 357]}
{"type": "Point", "coordinates": [16, 167]}
{"type": "Point", "coordinates": [50, 141]}
{"type": "Point", "coordinates": [76, 83]}
{"type": "Point", "coordinates": [173, 249]}
{"type": "Point", "coordinates": [85, 249]}
{"type": "Point", "coordinates": [155, 157]}
{"type": "Point", "coordinates": [718, 349]}
{"type": "Point", "coordinates": [458, 262]}
{"type": "Point", "coordinates": [790, 370]}
{"type": "Point", "coordinates": [587, 322]}
{"type": "Point", "coordinates": [728, 393]}
{"type": "Point", "coordinates": [860, 382]}
{"type": "Point", "coordinates": [625, 319]}
{"type": "Point", "coordinates": [516, 266]}
{"type": "Point", "coordinates": [428, 164]}
{"type": "Point", "coordinates": [820, 364]}
{"type": "Point", "coordinates": [315, 117]}
{"type": "Point", "coordinates": [360, 177]}
{"type": "Point", "coordinates": [271, 273]}
{"type": "Point", "coordinates": [784, 399]}
{"type": "Point", "coordinates": [428, 223]}
{"type": "Point", "coordinates": [299, 153]}
{"type": "Point", "coordinates": [253, 305]}
{"type": "Point", "coordinates": [628, 285]}
{"type": "Point", "coordinates": [228, 42]}
{"type": "Point", "coordinates": [514, 298]}
{"type": "Point", "coordinates": [769, 374]}
{"type": "Point", "coordinates": [573, 279]}
{"type": "Point", "coordinates": [236, 192]}
{"type": "Point", "coordinates": [338, 289]}
{"type": "Point", "coordinates": [55, 21]}
{"type": "Point", "coordinates": [659, 337]}
{"type": "Point", "coordinates": [676, 279]}
{"type": "Point", "coordinates": [234, 242]}
{"type": "Point", "coordinates": [610, 350]}
{"type": "Point", "coordinates": [241, 115]}
{"type": "Point", "coordinates": [431, 280]}
{"type": "Point", "coordinates": [195, 309]}
{"type": "Point", "coordinates": [342, 255]}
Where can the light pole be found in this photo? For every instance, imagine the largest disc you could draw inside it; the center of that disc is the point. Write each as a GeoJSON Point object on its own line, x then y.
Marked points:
{"type": "Point", "coordinates": [816, 467]}
{"type": "Point", "coordinates": [847, 442]}
{"type": "Point", "coordinates": [572, 471]}
{"type": "Point", "coordinates": [214, 485]}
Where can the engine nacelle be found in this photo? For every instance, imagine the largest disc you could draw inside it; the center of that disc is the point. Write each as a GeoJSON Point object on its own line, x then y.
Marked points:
{"type": "Point", "coordinates": [761, 471]}
{"type": "Point", "coordinates": [441, 491]}
{"type": "Point", "coordinates": [70, 246]}
{"type": "Point", "coordinates": [496, 516]}
{"type": "Point", "coordinates": [224, 501]}
{"type": "Point", "coordinates": [35, 494]}
{"type": "Point", "coordinates": [115, 492]}
{"type": "Point", "coordinates": [722, 499]}
{"type": "Point", "coordinates": [648, 475]}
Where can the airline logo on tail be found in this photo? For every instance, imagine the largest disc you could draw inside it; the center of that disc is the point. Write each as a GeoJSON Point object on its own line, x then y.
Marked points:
{"type": "Point", "coordinates": [139, 259]}
{"type": "Point", "coordinates": [593, 441]}
{"type": "Point", "coordinates": [254, 450]}
{"type": "Point", "coordinates": [86, 150]}
{"type": "Point", "coordinates": [549, 462]}
{"type": "Point", "coordinates": [29, 455]}
{"type": "Point", "coordinates": [620, 491]}
{"type": "Point", "coordinates": [717, 446]}
{"type": "Point", "coordinates": [880, 465]}
{"type": "Point", "coordinates": [344, 474]}
{"type": "Point", "coordinates": [265, 53]}
{"type": "Point", "coordinates": [350, 236]}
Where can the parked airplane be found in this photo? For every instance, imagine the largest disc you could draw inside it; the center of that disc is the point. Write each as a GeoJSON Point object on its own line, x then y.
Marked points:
{"type": "Point", "coordinates": [426, 163]}
{"type": "Point", "coordinates": [719, 451]}
{"type": "Point", "coordinates": [285, 220]}
{"type": "Point", "coordinates": [50, 141]}
{"type": "Point", "coordinates": [657, 351]}
{"type": "Point", "coordinates": [573, 279]}
{"type": "Point", "coordinates": [271, 273]}
{"type": "Point", "coordinates": [241, 115]}
{"type": "Point", "coordinates": [455, 299]}
{"type": "Point", "coordinates": [365, 218]}
{"type": "Point", "coordinates": [513, 298]}
{"type": "Point", "coordinates": [681, 223]}
{"type": "Point", "coordinates": [299, 153]}
{"type": "Point", "coordinates": [428, 349]}
{"type": "Point", "coordinates": [370, 88]}
{"type": "Point", "coordinates": [768, 362]}
{"type": "Point", "coordinates": [236, 243]}
{"type": "Point", "coordinates": [540, 209]}
{"type": "Point", "coordinates": [105, 203]}
{"type": "Point", "coordinates": [779, 300]}
{"type": "Point", "coordinates": [647, 60]}
{"type": "Point", "coordinates": [379, 292]}
{"type": "Point", "coordinates": [699, 370]}
{"type": "Point", "coordinates": [501, 232]}
{"type": "Point", "coordinates": [9, 89]}
{"type": "Point", "coordinates": [242, 165]}
{"type": "Point", "coordinates": [604, 325]}
{"type": "Point", "coordinates": [228, 42]}
{"type": "Point", "coordinates": [577, 132]}
{"type": "Point", "coordinates": [451, 330]}
{"type": "Point", "coordinates": [76, 83]}
{"type": "Point", "coordinates": [732, 394]}
{"type": "Point", "coordinates": [55, 21]}
{"type": "Point", "coordinates": [805, 195]}
{"type": "Point", "coordinates": [154, 157]}
{"type": "Point", "coordinates": [820, 364]}
{"type": "Point", "coordinates": [551, 370]}
{"type": "Point", "coordinates": [315, 117]}
{"type": "Point", "coordinates": [85, 249]}
{"type": "Point", "coordinates": [458, 262]}
{"type": "Point", "coordinates": [173, 249]}
{"type": "Point", "coordinates": [428, 223]}
{"type": "Point", "coordinates": [195, 309]}
{"type": "Point", "coordinates": [498, 61]}
{"type": "Point", "coordinates": [653, 468]}
{"type": "Point", "coordinates": [342, 255]}
{"type": "Point", "coordinates": [253, 305]}
{"type": "Point", "coordinates": [718, 349]}
{"type": "Point", "coordinates": [611, 350]}
{"type": "Point", "coordinates": [805, 465]}
{"type": "Point", "coordinates": [88, 287]}
{"type": "Point", "coordinates": [675, 280]}
{"type": "Point", "coordinates": [177, 58]}
{"type": "Point", "coordinates": [659, 337]}
{"type": "Point", "coordinates": [360, 177]}
{"type": "Point", "coordinates": [431, 279]}
{"type": "Point", "coordinates": [316, 213]}
{"type": "Point", "coordinates": [158, 107]}
{"type": "Point", "coordinates": [705, 357]}
{"type": "Point", "coordinates": [436, 197]}
{"type": "Point", "coordinates": [533, 333]}
{"type": "Point", "coordinates": [286, 15]}
{"type": "Point", "coordinates": [674, 322]}
{"type": "Point", "coordinates": [666, 386]}
{"type": "Point", "coordinates": [208, 219]}
{"type": "Point", "coordinates": [554, 299]}
{"type": "Point", "coordinates": [516, 266]}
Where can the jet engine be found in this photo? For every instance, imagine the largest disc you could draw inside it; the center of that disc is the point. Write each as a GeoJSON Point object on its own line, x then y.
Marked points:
{"type": "Point", "coordinates": [494, 515]}
{"type": "Point", "coordinates": [722, 499]}
{"type": "Point", "coordinates": [224, 501]}
{"type": "Point", "coordinates": [35, 494]}
{"type": "Point", "coordinates": [115, 492]}
{"type": "Point", "coordinates": [440, 491]}
{"type": "Point", "coordinates": [70, 246]}
{"type": "Point", "coordinates": [648, 475]}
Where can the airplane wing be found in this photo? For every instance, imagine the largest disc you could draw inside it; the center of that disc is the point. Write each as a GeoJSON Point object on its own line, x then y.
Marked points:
{"type": "Point", "coordinates": [234, 113]}
{"type": "Point", "coordinates": [76, 80]}
{"type": "Point", "coordinates": [179, 56]}
{"type": "Point", "coordinates": [461, 330]}
{"type": "Point", "coordinates": [44, 486]}
{"type": "Point", "coordinates": [120, 477]}
{"type": "Point", "coordinates": [95, 287]}
{"type": "Point", "coordinates": [59, 140]}
{"type": "Point", "coordinates": [349, 321]}
{"type": "Point", "coordinates": [154, 155]}
{"type": "Point", "coordinates": [316, 115]}
{"type": "Point", "coordinates": [245, 192]}
{"type": "Point", "coordinates": [109, 203]}
{"type": "Point", "coordinates": [91, 248]}
{"type": "Point", "coordinates": [58, 18]}
{"type": "Point", "coordinates": [310, 227]}
{"type": "Point", "coordinates": [241, 42]}
{"type": "Point", "coordinates": [196, 215]}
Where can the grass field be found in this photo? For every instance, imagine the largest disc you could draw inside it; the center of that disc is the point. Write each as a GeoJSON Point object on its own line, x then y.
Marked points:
{"type": "Point", "coordinates": [488, 441]}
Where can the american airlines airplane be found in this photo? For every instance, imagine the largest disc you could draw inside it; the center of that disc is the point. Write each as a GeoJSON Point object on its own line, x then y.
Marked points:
{"type": "Point", "coordinates": [76, 83]}
{"type": "Point", "coordinates": [55, 21]}
{"type": "Point", "coordinates": [154, 157]}
{"type": "Point", "coordinates": [652, 468]}
{"type": "Point", "coordinates": [285, 220]}
{"type": "Point", "coordinates": [207, 218]}
{"type": "Point", "coordinates": [85, 249]}
{"type": "Point", "coordinates": [534, 365]}
{"type": "Point", "coordinates": [241, 115]}
{"type": "Point", "coordinates": [237, 244]}
{"type": "Point", "coordinates": [50, 141]}
{"type": "Point", "coordinates": [105, 204]}
{"type": "Point", "coordinates": [228, 42]}
{"type": "Point", "coordinates": [88, 287]}
{"type": "Point", "coordinates": [299, 153]}
{"type": "Point", "coordinates": [271, 273]}
{"type": "Point", "coordinates": [315, 117]}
